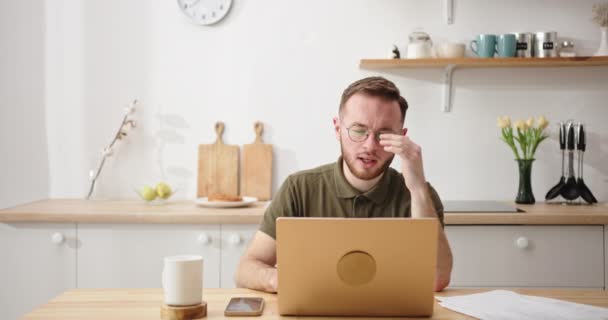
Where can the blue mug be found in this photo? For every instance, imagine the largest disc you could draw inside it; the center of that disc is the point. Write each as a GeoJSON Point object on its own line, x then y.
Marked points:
{"type": "Point", "coordinates": [484, 46]}
{"type": "Point", "coordinates": [506, 45]}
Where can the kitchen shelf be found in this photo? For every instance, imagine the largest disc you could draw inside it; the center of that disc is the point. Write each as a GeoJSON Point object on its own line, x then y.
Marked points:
{"type": "Point", "coordinates": [449, 64]}
{"type": "Point", "coordinates": [482, 62]}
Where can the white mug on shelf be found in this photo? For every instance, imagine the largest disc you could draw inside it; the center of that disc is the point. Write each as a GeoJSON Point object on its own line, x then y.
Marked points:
{"type": "Point", "coordinates": [451, 50]}
{"type": "Point", "coordinates": [182, 280]}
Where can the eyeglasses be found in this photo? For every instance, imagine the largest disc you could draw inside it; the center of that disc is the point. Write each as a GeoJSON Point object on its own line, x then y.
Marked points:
{"type": "Point", "coordinates": [359, 133]}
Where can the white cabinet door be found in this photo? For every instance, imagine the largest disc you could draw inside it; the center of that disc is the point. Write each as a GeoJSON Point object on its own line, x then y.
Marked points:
{"type": "Point", "coordinates": [527, 256]}
{"type": "Point", "coordinates": [131, 255]}
{"type": "Point", "coordinates": [235, 239]}
{"type": "Point", "coordinates": [37, 262]}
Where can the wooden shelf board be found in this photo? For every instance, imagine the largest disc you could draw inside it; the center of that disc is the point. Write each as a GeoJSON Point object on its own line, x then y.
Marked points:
{"type": "Point", "coordinates": [482, 62]}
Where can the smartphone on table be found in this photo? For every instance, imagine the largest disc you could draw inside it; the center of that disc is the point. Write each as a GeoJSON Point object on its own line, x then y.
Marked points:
{"type": "Point", "coordinates": [244, 306]}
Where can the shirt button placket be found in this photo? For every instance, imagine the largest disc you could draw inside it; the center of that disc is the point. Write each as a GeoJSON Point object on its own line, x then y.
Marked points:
{"type": "Point", "coordinates": [360, 199]}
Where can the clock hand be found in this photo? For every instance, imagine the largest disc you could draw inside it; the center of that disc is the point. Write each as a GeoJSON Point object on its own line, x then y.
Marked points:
{"type": "Point", "coordinates": [191, 4]}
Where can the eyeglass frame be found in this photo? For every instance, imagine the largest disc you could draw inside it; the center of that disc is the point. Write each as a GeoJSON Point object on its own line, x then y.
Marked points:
{"type": "Point", "coordinates": [367, 133]}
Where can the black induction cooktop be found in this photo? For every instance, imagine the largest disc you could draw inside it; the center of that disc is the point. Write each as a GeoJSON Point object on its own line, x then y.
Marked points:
{"type": "Point", "coordinates": [456, 206]}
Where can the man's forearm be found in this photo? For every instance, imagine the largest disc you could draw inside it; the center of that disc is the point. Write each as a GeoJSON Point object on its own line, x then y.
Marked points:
{"type": "Point", "coordinates": [422, 207]}
{"type": "Point", "coordinates": [422, 204]}
{"type": "Point", "coordinates": [255, 275]}
{"type": "Point", "coordinates": [444, 262]}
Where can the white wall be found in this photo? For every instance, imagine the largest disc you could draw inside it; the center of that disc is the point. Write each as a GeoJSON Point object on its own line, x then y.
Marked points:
{"type": "Point", "coordinates": [24, 172]}
{"type": "Point", "coordinates": [286, 63]}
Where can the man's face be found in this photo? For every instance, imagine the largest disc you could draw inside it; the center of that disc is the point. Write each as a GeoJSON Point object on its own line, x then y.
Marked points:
{"type": "Point", "coordinates": [367, 159]}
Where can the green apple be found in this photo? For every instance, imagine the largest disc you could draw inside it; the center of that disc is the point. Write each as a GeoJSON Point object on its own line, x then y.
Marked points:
{"type": "Point", "coordinates": [148, 193]}
{"type": "Point", "coordinates": [163, 190]}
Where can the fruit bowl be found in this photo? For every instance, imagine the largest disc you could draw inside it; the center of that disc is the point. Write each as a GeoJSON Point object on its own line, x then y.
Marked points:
{"type": "Point", "coordinates": [156, 194]}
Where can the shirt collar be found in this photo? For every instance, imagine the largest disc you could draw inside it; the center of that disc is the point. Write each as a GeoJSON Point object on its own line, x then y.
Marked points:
{"type": "Point", "coordinates": [344, 190]}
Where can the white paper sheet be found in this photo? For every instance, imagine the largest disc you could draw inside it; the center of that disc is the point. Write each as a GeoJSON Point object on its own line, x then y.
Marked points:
{"type": "Point", "coordinates": [506, 305]}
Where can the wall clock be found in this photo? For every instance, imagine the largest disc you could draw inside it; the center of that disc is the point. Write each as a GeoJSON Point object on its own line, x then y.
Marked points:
{"type": "Point", "coordinates": [205, 12]}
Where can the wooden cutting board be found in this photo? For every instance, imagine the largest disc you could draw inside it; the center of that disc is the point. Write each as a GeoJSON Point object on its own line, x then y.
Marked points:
{"type": "Point", "coordinates": [257, 167]}
{"type": "Point", "coordinates": [218, 166]}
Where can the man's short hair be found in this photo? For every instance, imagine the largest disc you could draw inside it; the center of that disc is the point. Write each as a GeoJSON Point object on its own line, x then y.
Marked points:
{"type": "Point", "coordinates": [375, 87]}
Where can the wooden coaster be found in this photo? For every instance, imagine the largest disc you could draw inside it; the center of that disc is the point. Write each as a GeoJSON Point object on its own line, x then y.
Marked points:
{"type": "Point", "coordinates": [183, 313]}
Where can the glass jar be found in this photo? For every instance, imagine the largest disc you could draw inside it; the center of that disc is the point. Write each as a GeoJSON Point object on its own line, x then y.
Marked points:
{"type": "Point", "coordinates": [420, 45]}
{"type": "Point", "coordinates": [567, 49]}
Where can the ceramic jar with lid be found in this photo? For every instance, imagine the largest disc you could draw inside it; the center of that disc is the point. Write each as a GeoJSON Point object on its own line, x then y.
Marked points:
{"type": "Point", "coordinates": [420, 46]}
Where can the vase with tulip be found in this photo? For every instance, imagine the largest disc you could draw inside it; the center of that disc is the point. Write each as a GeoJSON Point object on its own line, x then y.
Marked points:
{"type": "Point", "coordinates": [523, 137]}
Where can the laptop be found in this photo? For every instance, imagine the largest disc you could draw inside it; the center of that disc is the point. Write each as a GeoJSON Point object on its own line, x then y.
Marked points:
{"type": "Point", "coordinates": [356, 267]}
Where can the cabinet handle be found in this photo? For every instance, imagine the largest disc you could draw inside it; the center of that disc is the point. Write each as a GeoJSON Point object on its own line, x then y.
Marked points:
{"type": "Point", "coordinates": [522, 242]}
{"type": "Point", "coordinates": [57, 238]}
{"type": "Point", "coordinates": [204, 239]}
{"type": "Point", "coordinates": [235, 239]}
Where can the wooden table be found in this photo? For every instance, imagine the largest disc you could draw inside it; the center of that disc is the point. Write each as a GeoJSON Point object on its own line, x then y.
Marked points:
{"type": "Point", "coordinates": [132, 304]}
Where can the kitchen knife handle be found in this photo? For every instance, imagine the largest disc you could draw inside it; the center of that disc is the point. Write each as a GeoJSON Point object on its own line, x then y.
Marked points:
{"type": "Point", "coordinates": [570, 140]}
{"type": "Point", "coordinates": [581, 144]}
{"type": "Point", "coordinates": [562, 135]}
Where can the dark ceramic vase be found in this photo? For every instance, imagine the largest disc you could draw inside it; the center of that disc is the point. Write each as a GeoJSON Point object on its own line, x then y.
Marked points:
{"type": "Point", "coordinates": [524, 194]}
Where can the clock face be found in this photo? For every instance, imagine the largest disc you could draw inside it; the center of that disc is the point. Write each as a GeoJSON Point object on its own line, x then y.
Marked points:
{"type": "Point", "coordinates": [205, 12]}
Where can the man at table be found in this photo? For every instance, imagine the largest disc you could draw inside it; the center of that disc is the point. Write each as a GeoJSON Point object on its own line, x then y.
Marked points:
{"type": "Point", "coordinates": [370, 129]}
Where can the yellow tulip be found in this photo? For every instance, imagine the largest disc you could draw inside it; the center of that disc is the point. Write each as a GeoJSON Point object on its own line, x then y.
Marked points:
{"type": "Point", "coordinates": [542, 122]}
{"type": "Point", "coordinates": [527, 136]}
{"type": "Point", "coordinates": [501, 123]}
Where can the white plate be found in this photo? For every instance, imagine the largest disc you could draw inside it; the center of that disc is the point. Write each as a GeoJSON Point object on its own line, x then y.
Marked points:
{"type": "Point", "coordinates": [204, 202]}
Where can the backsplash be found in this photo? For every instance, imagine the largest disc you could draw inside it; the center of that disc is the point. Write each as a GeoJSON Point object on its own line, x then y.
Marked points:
{"type": "Point", "coordinates": [285, 64]}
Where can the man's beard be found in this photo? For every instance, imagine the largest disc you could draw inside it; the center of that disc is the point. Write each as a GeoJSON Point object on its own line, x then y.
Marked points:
{"type": "Point", "coordinates": [364, 175]}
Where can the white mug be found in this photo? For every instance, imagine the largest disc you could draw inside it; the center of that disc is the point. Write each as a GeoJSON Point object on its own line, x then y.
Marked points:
{"type": "Point", "coordinates": [451, 50]}
{"type": "Point", "coordinates": [182, 280]}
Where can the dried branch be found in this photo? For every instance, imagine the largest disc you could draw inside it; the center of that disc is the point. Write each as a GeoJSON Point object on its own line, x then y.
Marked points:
{"type": "Point", "coordinates": [107, 151]}
{"type": "Point", "coordinates": [600, 14]}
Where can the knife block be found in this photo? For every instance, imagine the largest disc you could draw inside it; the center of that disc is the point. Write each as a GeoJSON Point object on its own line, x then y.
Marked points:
{"type": "Point", "coordinates": [183, 313]}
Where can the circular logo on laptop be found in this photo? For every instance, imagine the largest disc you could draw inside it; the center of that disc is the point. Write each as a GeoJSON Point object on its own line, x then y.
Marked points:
{"type": "Point", "coordinates": [356, 268]}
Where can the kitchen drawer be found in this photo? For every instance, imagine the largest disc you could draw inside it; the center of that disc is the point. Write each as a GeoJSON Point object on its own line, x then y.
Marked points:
{"type": "Point", "coordinates": [37, 262]}
{"type": "Point", "coordinates": [527, 256]}
{"type": "Point", "coordinates": [131, 255]}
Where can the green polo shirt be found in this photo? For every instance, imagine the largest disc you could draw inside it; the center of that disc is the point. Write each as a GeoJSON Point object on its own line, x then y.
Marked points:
{"type": "Point", "coordinates": [325, 192]}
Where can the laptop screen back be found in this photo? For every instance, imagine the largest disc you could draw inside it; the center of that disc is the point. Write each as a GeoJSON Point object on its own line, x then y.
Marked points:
{"type": "Point", "coordinates": [356, 267]}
